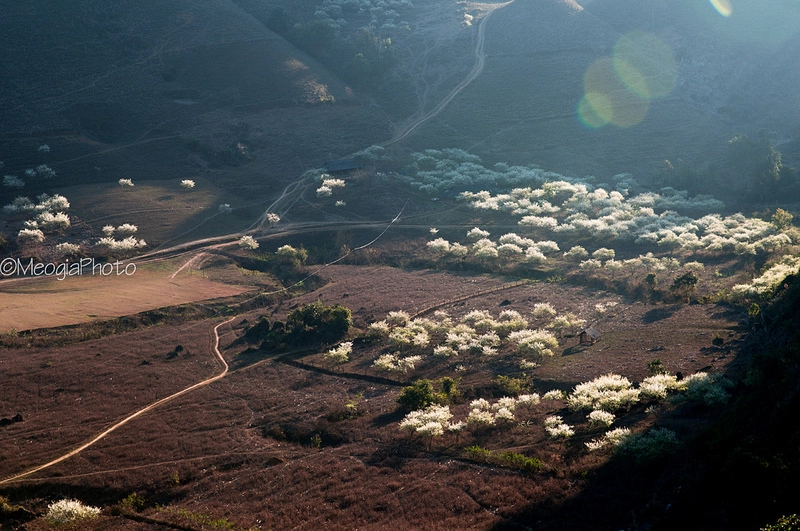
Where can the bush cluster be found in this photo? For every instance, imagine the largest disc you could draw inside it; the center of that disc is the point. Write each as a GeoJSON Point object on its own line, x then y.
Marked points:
{"type": "Point", "coordinates": [310, 324]}
{"type": "Point", "coordinates": [476, 333]}
{"type": "Point", "coordinates": [68, 511]}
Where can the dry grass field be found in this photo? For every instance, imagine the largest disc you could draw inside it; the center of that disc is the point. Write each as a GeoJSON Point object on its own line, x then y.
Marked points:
{"type": "Point", "coordinates": [111, 292]}
{"type": "Point", "coordinates": [287, 438]}
{"type": "Point", "coordinates": [241, 449]}
{"type": "Point", "coordinates": [163, 210]}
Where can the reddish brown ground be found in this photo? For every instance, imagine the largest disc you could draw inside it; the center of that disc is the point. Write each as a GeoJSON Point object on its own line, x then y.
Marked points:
{"type": "Point", "coordinates": [241, 449]}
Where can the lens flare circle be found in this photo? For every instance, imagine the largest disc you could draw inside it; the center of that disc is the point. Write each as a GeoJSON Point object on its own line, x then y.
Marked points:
{"type": "Point", "coordinates": [594, 110]}
{"type": "Point", "coordinates": [723, 7]}
{"type": "Point", "coordinates": [607, 99]}
{"type": "Point", "coordinates": [645, 64]}
{"type": "Point", "coordinates": [633, 79]}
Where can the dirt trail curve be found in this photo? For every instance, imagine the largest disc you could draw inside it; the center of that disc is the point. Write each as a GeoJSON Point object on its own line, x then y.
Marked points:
{"type": "Point", "coordinates": [132, 416]}
{"type": "Point", "coordinates": [480, 61]}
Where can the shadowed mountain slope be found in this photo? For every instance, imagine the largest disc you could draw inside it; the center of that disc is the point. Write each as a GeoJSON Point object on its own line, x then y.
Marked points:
{"type": "Point", "coordinates": [212, 83]}
{"type": "Point", "coordinates": [545, 57]}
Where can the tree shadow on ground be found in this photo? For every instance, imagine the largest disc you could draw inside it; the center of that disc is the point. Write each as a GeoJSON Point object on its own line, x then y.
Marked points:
{"type": "Point", "coordinates": [575, 349]}
{"type": "Point", "coordinates": [727, 312]}
{"type": "Point", "coordinates": [388, 418]}
{"type": "Point", "coordinates": [658, 314]}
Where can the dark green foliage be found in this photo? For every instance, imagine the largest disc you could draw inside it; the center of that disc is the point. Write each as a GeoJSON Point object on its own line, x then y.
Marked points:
{"type": "Point", "coordinates": [655, 366]}
{"type": "Point", "coordinates": [512, 386]}
{"type": "Point", "coordinates": [371, 55]}
{"type": "Point", "coordinates": [418, 395]}
{"type": "Point", "coordinates": [311, 324]}
{"type": "Point", "coordinates": [782, 219]}
{"type": "Point", "coordinates": [684, 285]}
{"type": "Point", "coordinates": [271, 336]}
{"type": "Point", "coordinates": [13, 514]}
{"type": "Point", "coordinates": [650, 445]}
{"type": "Point", "coordinates": [746, 464]}
{"type": "Point", "coordinates": [318, 323]}
{"type": "Point", "coordinates": [450, 386]}
{"type": "Point", "coordinates": [313, 37]}
{"type": "Point", "coordinates": [505, 459]}
{"type": "Point", "coordinates": [478, 453]}
{"type": "Point", "coordinates": [296, 257]}
{"type": "Point", "coordinates": [651, 280]}
{"type": "Point", "coordinates": [259, 330]}
{"type": "Point", "coordinates": [761, 165]}
{"type": "Point", "coordinates": [360, 57]}
{"type": "Point", "coordinates": [448, 390]}
{"type": "Point", "coordinates": [131, 504]}
{"type": "Point", "coordinates": [423, 393]}
{"type": "Point", "coordinates": [520, 461]}
{"type": "Point", "coordinates": [683, 175]}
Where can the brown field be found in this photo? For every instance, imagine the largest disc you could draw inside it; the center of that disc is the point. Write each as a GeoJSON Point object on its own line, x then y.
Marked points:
{"type": "Point", "coordinates": [241, 449]}
{"type": "Point", "coordinates": [286, 440]}
{"type": "Point", "coordinates": [48, 302]}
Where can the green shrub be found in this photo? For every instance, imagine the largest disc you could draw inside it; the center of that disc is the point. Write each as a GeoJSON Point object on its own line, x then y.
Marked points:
{"type": "Point", "coordinates": [781, 219]}
{"type": "Point", "coordinates": [684, 285]}
{"type": "Point", "coordinates": [478, 453]}
{"type": "Point", "coordinates": [318, 323]}
{"type": "Point", "coordinates": [655, 366]}
{"type": "Point", "coordinates": [520, 461]}
{"type": "Point", "coordinates": [506, 459]}
{"type": "Point", "coordinates": [513, 386]}
{"type": "Point", "coordinates": [418, 395]}
{"type": "Point", "coordinates": [448, 390]}
{"type": "Point", "coordinates": [650, 445]}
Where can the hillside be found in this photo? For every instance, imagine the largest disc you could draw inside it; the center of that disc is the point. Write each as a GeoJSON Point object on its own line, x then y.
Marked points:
{"type": "Point", "coordinates": [539, 53]}
{"type": "Point", "coordinates": [551, 285]}
{"type": "Point", "coordinates": [143, 90]}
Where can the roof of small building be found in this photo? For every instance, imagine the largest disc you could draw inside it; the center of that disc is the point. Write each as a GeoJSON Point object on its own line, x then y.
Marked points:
{"type": "Point", "coordinates": [591, 332]}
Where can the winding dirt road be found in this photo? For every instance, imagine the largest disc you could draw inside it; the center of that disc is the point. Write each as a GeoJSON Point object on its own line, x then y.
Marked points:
{"type": "Point", "coordinates": [293, 191]}
{"type": "Point", "coordinates": [477, 69]}
{"type": "Point", "coordinates": [132, 416]}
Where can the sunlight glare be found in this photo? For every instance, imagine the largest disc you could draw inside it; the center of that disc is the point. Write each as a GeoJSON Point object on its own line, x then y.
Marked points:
{"type": "Point", "coordinates": [608, 99]}
{"type": "Point", "coordinates": [594, 110]}
{"type": "Point", "coordinates": [645, 64]}
{"type": "Point", "coordinates": [723, 7]}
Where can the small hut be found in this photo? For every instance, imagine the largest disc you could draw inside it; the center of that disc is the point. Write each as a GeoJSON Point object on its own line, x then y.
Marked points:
{"type": "Point", "coordinates": [588, 336]}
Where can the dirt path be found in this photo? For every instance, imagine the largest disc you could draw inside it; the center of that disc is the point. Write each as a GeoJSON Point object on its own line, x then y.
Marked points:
{"type": "Point", "coordinates": [132, 416]}
{"type": "Point", "coordinates": [477, 69]}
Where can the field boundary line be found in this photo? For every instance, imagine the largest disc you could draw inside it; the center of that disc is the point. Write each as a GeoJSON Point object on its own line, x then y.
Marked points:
{"type": "Point", "coordinates": [487, 291]}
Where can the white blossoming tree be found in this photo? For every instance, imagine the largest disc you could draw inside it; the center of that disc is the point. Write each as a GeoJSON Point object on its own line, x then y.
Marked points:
{"type": "Point", "coordinates": [248, 242]}
{"type": "Point", "coordinates": [339, 354]}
